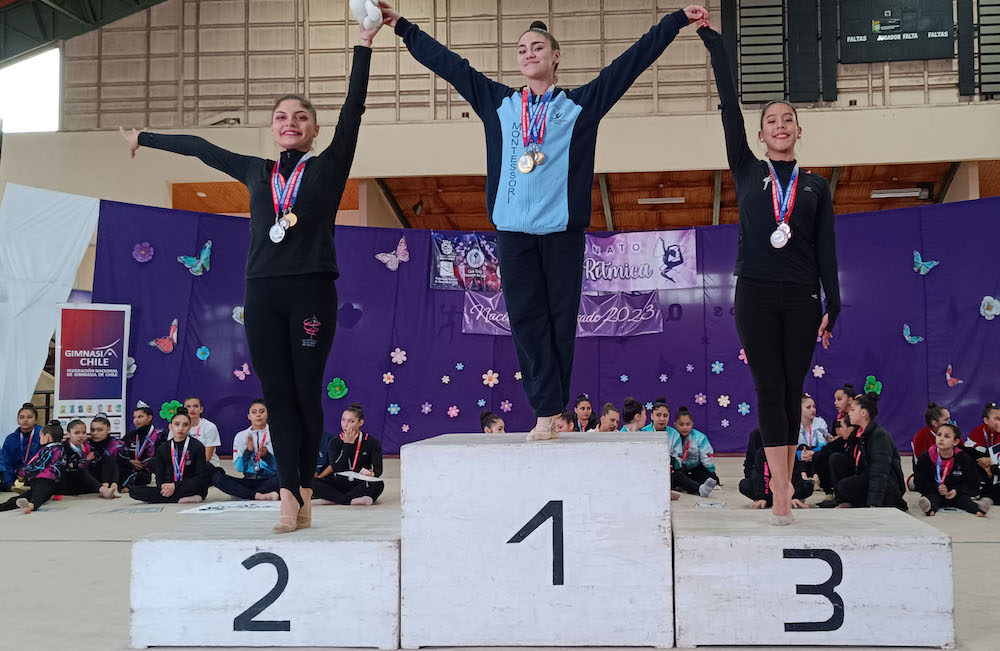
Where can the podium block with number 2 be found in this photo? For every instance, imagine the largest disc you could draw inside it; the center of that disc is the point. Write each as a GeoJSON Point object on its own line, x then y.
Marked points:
{"type": "Point", "coordinates": [558, 543]}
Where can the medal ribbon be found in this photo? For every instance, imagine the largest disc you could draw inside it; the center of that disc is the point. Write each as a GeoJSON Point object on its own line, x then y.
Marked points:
{"type": "Point", "coordinates": [783, 198]}
{"type": "Point", "coordinates": [533, 127]}
{"type": "Point", "coordinates": [810, 435]}
{"type": "Point", "coordinates": [283, 193]}
{"type": "Point", "coordinates": [138, 452]}
{"type": "Point", "coordinates": [259, 451]}
{"type": "Point", "coordinates": [179, 467]}
{"type": "Point", "coordinates": [687, 446]}
{"type": "Point", "coordinates": [27, 450]}
{"type": "Point", "coordinates": [357, 452]}
{"type": "Point", "coordinates": [941, 473]}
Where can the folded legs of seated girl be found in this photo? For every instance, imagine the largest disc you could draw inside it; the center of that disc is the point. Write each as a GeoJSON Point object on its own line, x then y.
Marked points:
{"type": "Point", "coordinates": [182, 472]}
{"type": "Point", "coordinates": [42, 471]}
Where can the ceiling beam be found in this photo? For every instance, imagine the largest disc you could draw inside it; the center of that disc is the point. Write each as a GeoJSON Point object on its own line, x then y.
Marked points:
{"type": "Point", "coordinates": [609, 219]}
{"type": "Point", "coordinates": [946, 182]}
{"type": "Point", "coordinates": [717, 198]}
{"type": "Point", "coordinates": [66, 12]}
{"type": "Point", "coordinates": [387, 193]}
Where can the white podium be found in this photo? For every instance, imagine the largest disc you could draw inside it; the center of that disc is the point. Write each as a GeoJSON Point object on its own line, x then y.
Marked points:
{"type": "Point", "coordinates": [556, 543]}
{"type": "Point", "coordinates": [224, 580]}
{"type": "Point", "coordinates": [872, 577]}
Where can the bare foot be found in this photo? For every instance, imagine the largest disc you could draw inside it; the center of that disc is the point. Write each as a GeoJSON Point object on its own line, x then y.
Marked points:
{"type": "Point", "coordinates": [25, 505]}
{"type": "Point", "coordinates": [980, 514]}
{"type": "Point", "coordinates": [674, 495]}
{"type": "Point", "coordinates": [930, 514]}
{"type": "Point", "coordinates": [845, 505]}
{"type": "Point", "coordinates": [799, 504]}
{"type": "Point", "coordinates": [362, 501]}
{"type": "Point", "coordinates": [267, 497]}
{"type": "Point", "coordinates": [759, 504]}
{"type": "Point", "coordinates": [193, 499]}
{"type": "Point", "coordinates": [318, 501]}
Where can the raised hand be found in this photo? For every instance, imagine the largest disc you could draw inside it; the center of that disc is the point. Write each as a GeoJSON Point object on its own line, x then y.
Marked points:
{"type": "Point", "coordinates": [389, 15]}
{"type": "Point", "coordinates": [696, 13]}
{"type": "Point", "coordinates": [132, 139]}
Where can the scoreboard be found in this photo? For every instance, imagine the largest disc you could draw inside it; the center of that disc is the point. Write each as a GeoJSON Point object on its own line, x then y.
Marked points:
{"type": "Point", "coordinates": [896, 30]}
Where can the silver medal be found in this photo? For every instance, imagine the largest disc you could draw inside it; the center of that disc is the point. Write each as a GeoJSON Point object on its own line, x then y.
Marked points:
{"type": "Point", "coordinates": [277, 233]}
{"type": "Point", "coordinates": [284, 223]}
{"type": "Point", "coordinates": [779, 238]}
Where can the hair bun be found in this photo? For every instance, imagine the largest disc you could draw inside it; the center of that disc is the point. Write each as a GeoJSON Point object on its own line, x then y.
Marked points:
{"type": "Point", "coordinates": [871, 395]}
{"type": "Point", "coordinates": [27, 405]}
{"type": "Point", "coordinates": [182, 410]}
{"type": "Point", "coordinates": [932, 405]}
{"type": "Point", "coordinates": [356, 404]}
{"type": "Point", "coordinates": [54, 422]}
{"type": "Point", "coordinates": [539, 25]}
{"type": "Point", "coordinates": [848, 385]}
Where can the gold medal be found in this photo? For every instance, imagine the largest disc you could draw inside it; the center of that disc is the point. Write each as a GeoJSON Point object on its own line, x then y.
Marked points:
{"type": "Point", "coordinates": [526, 163]}
{"type": "Point", "coordinates": [291, 218]}
{"type": "Point", "coordinates": [539, 158]}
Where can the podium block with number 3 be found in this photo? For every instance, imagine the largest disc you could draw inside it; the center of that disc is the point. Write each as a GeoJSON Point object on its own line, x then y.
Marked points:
{"type": "Point", "coordinates": [557, 543]}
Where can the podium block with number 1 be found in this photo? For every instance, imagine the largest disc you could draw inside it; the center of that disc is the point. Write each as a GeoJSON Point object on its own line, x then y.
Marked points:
{"type": "Point", "coordinates": [555, 543]}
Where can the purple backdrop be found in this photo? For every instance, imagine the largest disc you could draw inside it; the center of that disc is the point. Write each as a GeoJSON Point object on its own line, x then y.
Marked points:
{"type": "Point", "coordinates": [381, 310]}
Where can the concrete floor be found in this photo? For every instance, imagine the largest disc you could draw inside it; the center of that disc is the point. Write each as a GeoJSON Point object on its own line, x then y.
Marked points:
{"type": "Point", "coordinates": [66, 567]}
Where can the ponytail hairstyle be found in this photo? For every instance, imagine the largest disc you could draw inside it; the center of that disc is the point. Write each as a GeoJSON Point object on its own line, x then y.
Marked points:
{"type": "Point", "coordinates": [29, 407]}
{"type": "Point", "coordinates": [990, 407]}
{"type": "Point", "coordinates": [934, 412]}
{"type": "Point", "coordinates": [868, 402]}
{"type": "Point", "coordinates": [848, 390]}
{"type": "Point", "coordinates": [632, 408]}
{"type": "Point", "coordinates": [539, 27]}
{"type": "Point", "coordinates": [608, 408]}
{"type": "Point", "coordinates": [356, 409]}
{"type": "Point", "coordinates": [487, 419]}
{"type": "Point", "coordinates": [54, 429]}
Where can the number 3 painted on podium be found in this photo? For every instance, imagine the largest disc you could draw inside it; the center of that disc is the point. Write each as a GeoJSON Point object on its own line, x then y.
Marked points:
{"type": "Point", "coordinates": [245, 620]}
{"type": "Point", "coordinates": [554, 510]}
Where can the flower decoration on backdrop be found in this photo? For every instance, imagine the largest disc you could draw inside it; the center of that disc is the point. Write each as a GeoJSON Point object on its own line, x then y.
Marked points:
{"type": "Point", "coordinates": [453, 411]}
{"type": "Point", "coordinates": [445, 379]}
{"type": "Point", "coordinates": [743, 408]}
{"type": "Point", "coordinates": [337, 388]}
{"type": "Point", "coordinates": [388, 378]}
{"type": "Point", "coordinates": [398, 356]}
{"type": "Point", "coordinates": [718, 367]}
{"type": "Point", "coordinates": [460, 366]}
{"type": "Point", "coordinates": [405, 427]}
{"type": "Point", "coordinates": [623, 377]}
{"type": "Point", "coordinates": [690, 368]}
{"type": "Point", "coordinates": [238, 315]}
{"type": "Point", "coordinates": [649, 406]}
{"type": "Point", "coordinates": [723, 400]}
{"type": "Point", "coordinates": [242, 373]}
{"type": "Point", "coordinates": [130, 367]}
{"type": "Point", "coordinates": [393, 409]}
{"type": "Point", "coordinates": [506, 406]}
{"type": "Point", "coordinates": [168, 409]}
{"type": "Point", "coordinates": [518, 376]}
{"type": "Point", "coordinates": [425, 408]}
{"type": "Point", "coordinates": [142, 252]}
{"type": "Point", "coordinates": [818, 371]}
{"type": "Point", "coordinates": [663, 377]}
{"type": "Point", "coordinates": [872, 385]}
{"type": "Point", "coordinates": [950, 379]}
{"type": "Point", "coordinates": [203, 353]}
{"type": "Point", "coordinates": [743, 356]}
{"type": "Point", "coordinates": [910, 338]}
{"type": "Point", "coordinates": [491, 379]}
{"type": "Point", "coordinates": [700, 398]}
{"type": "Point", "coordinates": [989, 308]}
{"type": "Point", "coordinates": [725, 422]}
{"type": "Point", "coordinates": [481, 402]}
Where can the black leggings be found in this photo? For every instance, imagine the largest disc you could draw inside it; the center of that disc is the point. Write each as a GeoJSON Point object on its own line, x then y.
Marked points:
{"type": "Point", "coordinates": [290, 323]}
{"type": "Point", "coordinates": [777, 325]}
{"type": "Point", "coordinates": [852, 488]}
{"type": "Point", "coordinates": [129, 476]}
{"type": "Point", "coordinates": [341, 490]}
{"type": "Point", "coordinates": [689, 480]}
{"type": "Point", "coordinates": [79, 482]}
{"type": "Point", "coordinates": [542, 279]}
{"type": "Point", "coordinates": [244, 487]}
{"type": "Point", "coordinates": [41, 491]}
{"type": "Point", "coordinates": [964, 502]}
{"type": "Point", "coordinates": [183, 488]}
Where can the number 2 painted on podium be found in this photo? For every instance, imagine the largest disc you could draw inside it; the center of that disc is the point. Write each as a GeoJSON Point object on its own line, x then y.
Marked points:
{"type": "Point", "coordinates": [245, 620]}
{"type": "Point", "coordinates": [554, 510]}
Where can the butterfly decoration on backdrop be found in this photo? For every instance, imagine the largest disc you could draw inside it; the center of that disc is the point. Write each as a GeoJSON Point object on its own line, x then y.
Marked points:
{"type": "Point", "coordinates": [950, 379]}
{"type": "Point", "coordinates": [166, 344]}
{"type": "Point", "coordinates": [392, 259]}
{"type": "Point", "coordinates": [242, 373]}
{"type": "Point", "coordinates": [910, 339]}
{"type": "Point", "coordinates": [201, 264]}
{"type": "Point", "coordinates": [922, 266]}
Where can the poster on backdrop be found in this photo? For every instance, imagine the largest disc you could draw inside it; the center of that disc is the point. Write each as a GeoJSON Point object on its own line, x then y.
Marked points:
{"type": "Point", "coordinates": [641, 261]}
{"type": "Point", "coordinates": [464, 261]}
{"type": "Point", "coordinates": [91, 363]}
{"type": "Point", "coordinates": [613, 315]}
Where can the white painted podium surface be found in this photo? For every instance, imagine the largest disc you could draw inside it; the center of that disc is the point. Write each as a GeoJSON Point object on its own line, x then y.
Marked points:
{"type": "Point", "coordinates": [225, 580]}
{"type": "Point", "coordinates": [872, 577]}
{"type": "Point", "coordinates": [553, 543]}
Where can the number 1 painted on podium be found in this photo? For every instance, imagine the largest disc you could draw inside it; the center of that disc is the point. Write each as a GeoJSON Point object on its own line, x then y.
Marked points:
{"type": "Point", "coordinates": [554, 510]}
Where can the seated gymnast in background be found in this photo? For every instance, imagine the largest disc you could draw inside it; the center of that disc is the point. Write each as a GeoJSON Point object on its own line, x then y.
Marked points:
{"type": "Point", "coordinates": [78, 476]}
{"type": "Point", "coordinates": [870, 475]}
{"type": "Point", "coordinates": [586, 419]}
{"type": "Point", "coordinates": [42, 471]}
{"type": "Point", "coordinates": [756, 482]}
{"type": "Point", "coordinates": [924, 439]}
{"type": "Point", "coordinates": [836, 440]}
{"type": "Point", "coordinates": [610, 417]}
{"type": "Point", "coordinates": [19, 447]}
{"type": "Point", "coordinates": [813, 435]}
{"type": "Point", "coordinates": [140, 444]}
{"type": "Point", "coordinates": [566, 422]}
{"type": "Point", "coordinates": [694, 469]}
{"type": "Point", "coordinates": [352, 451]}
{"type": "Point", "coordinates": [253, 455]}
{"type": "Point", "coordinates": [946, 476]}
{"type": "Point", "coordinates": [491, 423]}
{"type": "Point", "coordinates": [634, 415]}
{"type": "Point", "coordinates": [978, 445]}
{"type": "Point", "coordinates": [110, 455]}
{"type": "Point", "coordinates": [659, 420]}
{"type": "Point", "coordinates": [843, 443]}
{"type": "Point", "coordinates": [181, 467]}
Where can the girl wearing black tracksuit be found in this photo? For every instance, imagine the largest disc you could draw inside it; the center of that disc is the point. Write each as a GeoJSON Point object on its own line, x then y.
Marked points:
{"type": "Point", "coordinates": [786, 249]}
{"type": "Point", "coordinates": [541, 205]}
{"type": "Point", "coordinates": [352, 451]}
{"type": "Point", "coordinates": [180, 464]}
{"type": "Point", "coordinates": [291, 300]}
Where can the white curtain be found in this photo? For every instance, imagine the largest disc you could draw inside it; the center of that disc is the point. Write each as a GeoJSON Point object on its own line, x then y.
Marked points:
{"type": "Point", "coordinates": [43, 237]}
